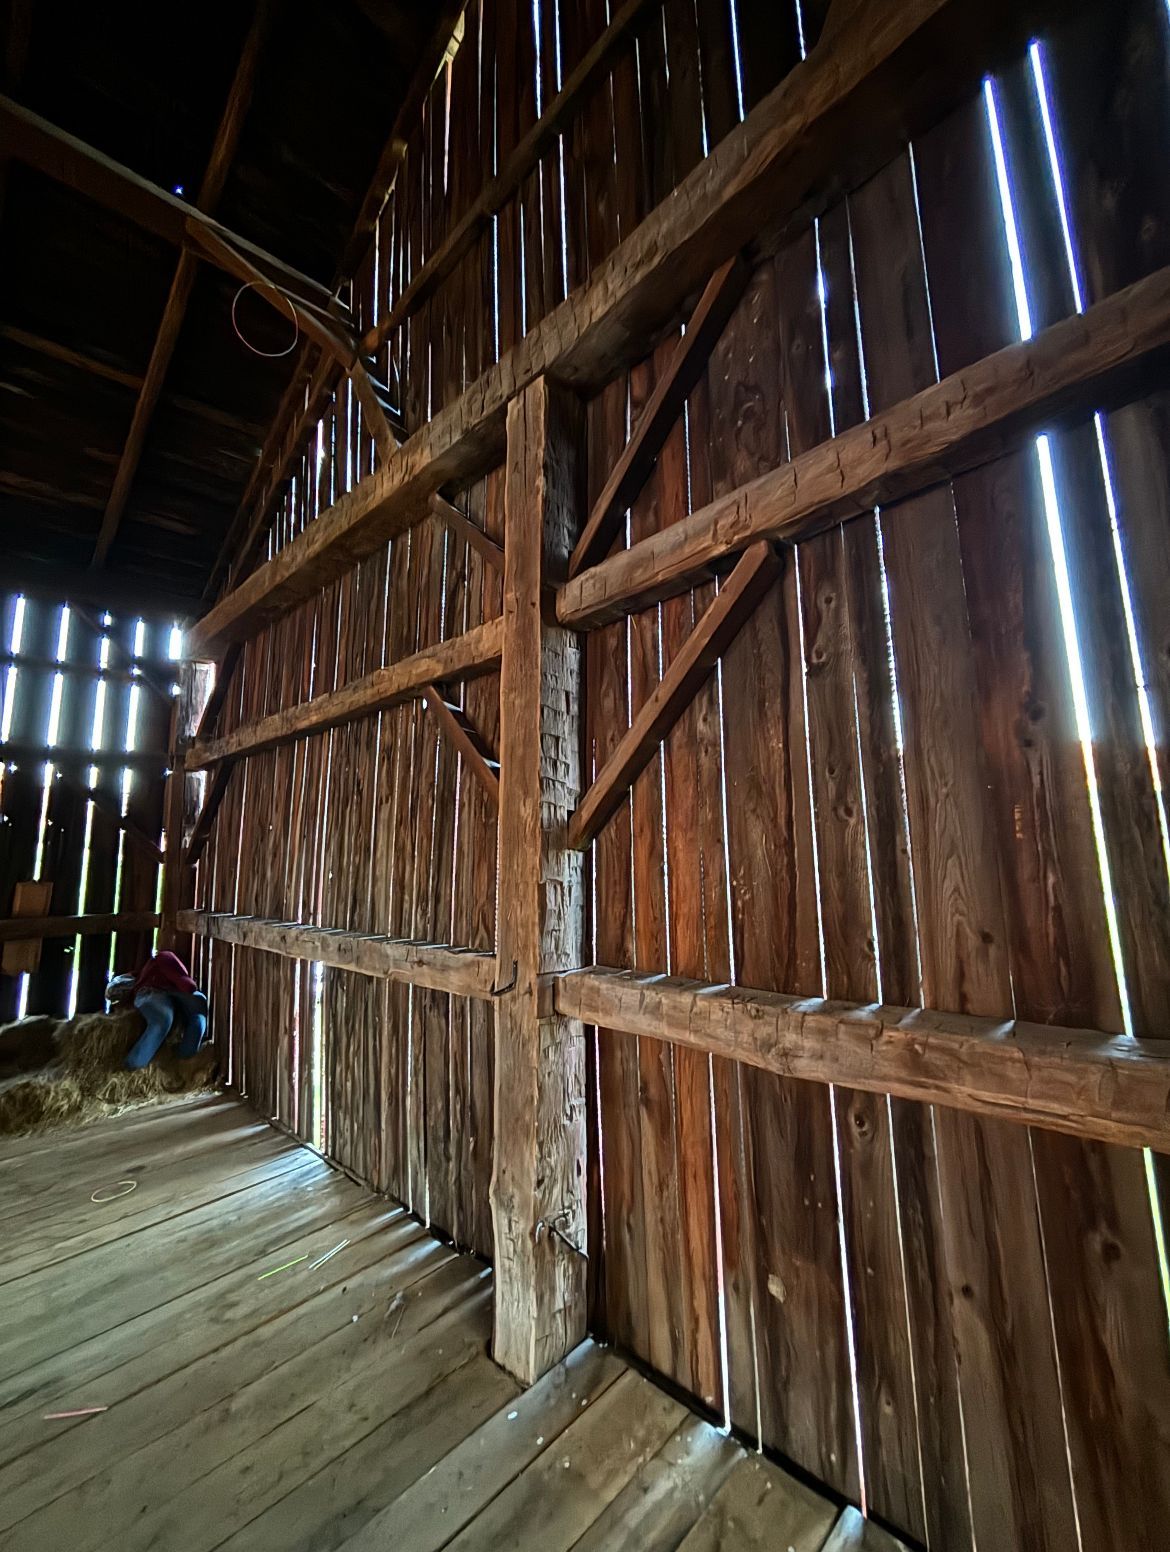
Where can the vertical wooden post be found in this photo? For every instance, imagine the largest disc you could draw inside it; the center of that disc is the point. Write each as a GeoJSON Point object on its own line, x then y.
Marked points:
{"type": "Point", "coordinates": [178, 891]}
{"type": "Point", "coordinates": [538, 1171]}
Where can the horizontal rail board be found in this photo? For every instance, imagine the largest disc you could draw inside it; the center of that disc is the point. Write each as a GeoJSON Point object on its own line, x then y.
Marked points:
{"type": "Point", "coordinates": [463, 972]}
{"type": "Point", "coordinates": [1078, 1081]}
{"type": "Point", "coordinates": [1114, 350]}
{"type": "Point", "coordinates": [18, 928]}
{"type": "Point", "coordinates": [475, 652]}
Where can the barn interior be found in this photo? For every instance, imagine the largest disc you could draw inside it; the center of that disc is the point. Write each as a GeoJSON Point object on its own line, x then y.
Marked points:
{"type": "Point", "coordinates": [599, 572]}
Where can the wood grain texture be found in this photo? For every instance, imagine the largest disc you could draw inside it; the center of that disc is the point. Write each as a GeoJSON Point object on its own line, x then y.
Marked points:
{"type": "Point", "coordinates": [939, 429]}
{"type": "Point", "coordinates": [1080, 1082]}
{"type": "Point", "coordinates": [477, 651]}
{"type": "Point", "coordinates": [833, 119]}
{"type": "Point", "coordinates": [539, 1167]}
{"type": "Point", "coordinates": [690, 667]}
{"type": "Point", "coordinates": [424, 963]}
{"type": "Point", "coordinates": [662, 409]}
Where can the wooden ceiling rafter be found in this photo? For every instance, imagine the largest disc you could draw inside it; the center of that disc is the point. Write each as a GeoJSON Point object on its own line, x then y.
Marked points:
{"type": "Point", "coordinates": [70, 161]}
{"type": "Point", "coordinates": [312, 384]}
{"type": "Point", "coordinates": [223, 152]}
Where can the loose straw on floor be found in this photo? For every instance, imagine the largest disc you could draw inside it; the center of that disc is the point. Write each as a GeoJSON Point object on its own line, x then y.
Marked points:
{"type": "Point", "coordinates": [328, 1256]}
{"type": "Point", "coordinates": [284, 1268]}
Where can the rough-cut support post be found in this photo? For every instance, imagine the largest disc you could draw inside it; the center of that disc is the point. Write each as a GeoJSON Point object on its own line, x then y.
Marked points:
{"type": "Point", "coordinates": [539, 1167]}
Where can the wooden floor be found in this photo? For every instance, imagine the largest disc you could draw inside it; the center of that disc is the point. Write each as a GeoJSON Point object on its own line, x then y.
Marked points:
{"type": "Point", "coordinates": [352, 1405]}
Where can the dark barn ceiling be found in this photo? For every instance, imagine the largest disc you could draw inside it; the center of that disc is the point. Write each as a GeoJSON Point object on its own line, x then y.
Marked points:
{"type": "Point", "coordinates": [83, 289]}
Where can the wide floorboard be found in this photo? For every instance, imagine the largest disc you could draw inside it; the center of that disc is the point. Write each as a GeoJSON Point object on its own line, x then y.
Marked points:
{"type": "Point", "coordinates": [284, 1362]}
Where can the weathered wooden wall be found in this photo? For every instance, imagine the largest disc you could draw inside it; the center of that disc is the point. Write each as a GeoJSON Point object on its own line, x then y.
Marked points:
{"type": "Point", "coordinates": [95, 867]}
{"type": "Point", "coordinates": [883, 793]}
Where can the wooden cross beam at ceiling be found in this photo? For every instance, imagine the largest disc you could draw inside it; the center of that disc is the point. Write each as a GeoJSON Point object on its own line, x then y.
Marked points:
{"type": "Point", "coordinates": [210, 190]}
{"type": "Point", "coordinates": [312, 382]}
{"type": "Point", "coordinates": [29, 138]}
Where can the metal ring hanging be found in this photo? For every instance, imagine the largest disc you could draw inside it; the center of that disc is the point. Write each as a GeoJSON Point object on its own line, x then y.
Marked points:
{"type": "Point", "coordinates": [269, 355]}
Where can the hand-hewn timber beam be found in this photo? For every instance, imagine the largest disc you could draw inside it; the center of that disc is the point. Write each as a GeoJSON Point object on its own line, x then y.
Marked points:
{"type": "Point", "coordinates": [1068, 1080]}
{"type": "Point", "coordinates": [1114, 351]}
{"type": "Point", "coordinates": [463, 528]}
{"type": "Point", "coordinates": [636, 460]}
{"type": "Point", "coordinates": [831, 122]}
{"type": "Point", "coordinates": [538, 1168]}
{"type": "Point", "coordinates": [462, 972]}
{"type": "Point", "coordinates": [475, 652]}
{"type": "Point", "coordinates": [725, 616]}
{"type": "Point", "coordinates": [175, 311]}
{"type": "Point", "coordinates": [455, 726]}
{"type": "Point", "coordinates": [18, 928]}
{"type": "Point", "coordinates": [312, 317]}
{"type": "Point", "coordinates": [577, 90]}
{"type": "Point", "coordinates": [31, 139]}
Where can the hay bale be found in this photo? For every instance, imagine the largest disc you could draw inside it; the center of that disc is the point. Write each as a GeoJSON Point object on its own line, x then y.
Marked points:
{"type": "Point", "coordinates": [27, 1045]}
{"type": "Point", "coordinates": [89, 1079]}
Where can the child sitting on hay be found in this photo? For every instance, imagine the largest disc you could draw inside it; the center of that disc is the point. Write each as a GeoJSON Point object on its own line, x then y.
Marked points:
{"type": "Point", "coordinates": [161, 990]}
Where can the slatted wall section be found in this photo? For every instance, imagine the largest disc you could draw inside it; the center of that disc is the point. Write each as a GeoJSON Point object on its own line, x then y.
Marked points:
{"type": "Point", "coordinates": [512, 59]}
{"type": "Point", "coordinates": [885, 793]}
{"type": "Point", "coordinates": [90, 685]}
{"type": "Point", "coordinates": [377, 826]}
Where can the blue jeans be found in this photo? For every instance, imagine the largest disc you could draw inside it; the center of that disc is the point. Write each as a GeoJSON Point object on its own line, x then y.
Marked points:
{"type": "Point", "coordinates": [159, 1009]}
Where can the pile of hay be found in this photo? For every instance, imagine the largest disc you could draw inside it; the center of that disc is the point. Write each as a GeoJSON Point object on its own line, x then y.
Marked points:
{"type": "Point", "coordinates": [85, 1079]}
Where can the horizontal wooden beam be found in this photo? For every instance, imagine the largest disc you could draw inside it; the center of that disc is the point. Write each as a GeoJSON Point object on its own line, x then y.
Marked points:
{"type": "Point", "coordinates": [1117, 349]}
{"type": "Point", "coordinates": [33, 140]}
{"type": "Point", "coordinates": [723, 619]}
{"type": "Point", "coordinates": [475, 652]}
{"type": "Point", "coordinates": [175, 311]}
{"type": "Point", "coordinates": [17, 928]}
{"type": "Point", "coordinates": [1078, 1081]}
{"type": "Point", "coordinates": [832, 121]}
{"type": "Point", "coordinates": [150, 761]}
{"type": "Point", "coordinates": [462, 972]}
{"type": "Point", "coordinates": [636, 460]}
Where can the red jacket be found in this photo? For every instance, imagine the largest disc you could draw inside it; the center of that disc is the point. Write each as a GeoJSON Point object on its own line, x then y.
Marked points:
{"type": "Point", "coordinates": [166, 972]}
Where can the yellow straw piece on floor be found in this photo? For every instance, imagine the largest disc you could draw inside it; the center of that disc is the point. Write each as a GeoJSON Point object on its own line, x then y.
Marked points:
{"type": "Point", "coordinates": [283, 1268]}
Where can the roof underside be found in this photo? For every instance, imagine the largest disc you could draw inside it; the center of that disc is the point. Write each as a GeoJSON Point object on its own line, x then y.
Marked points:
{"type": "Point", "coordinates": [82, 290]}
